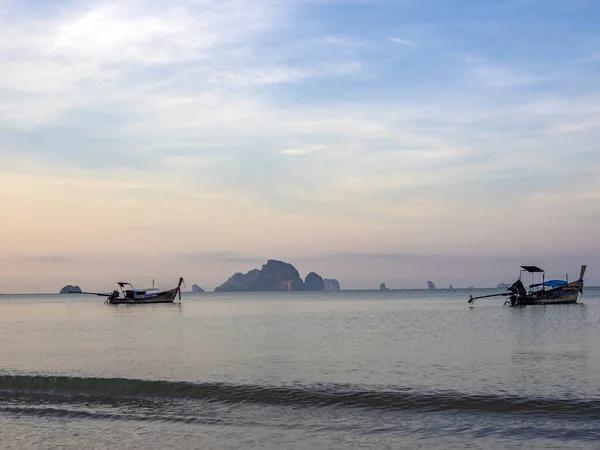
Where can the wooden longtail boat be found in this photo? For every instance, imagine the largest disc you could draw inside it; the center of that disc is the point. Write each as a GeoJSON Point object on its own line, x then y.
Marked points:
{"type": "Point", "coordinates": [542, 292]}
{"type": "Point", "coordinates": [127, 294]}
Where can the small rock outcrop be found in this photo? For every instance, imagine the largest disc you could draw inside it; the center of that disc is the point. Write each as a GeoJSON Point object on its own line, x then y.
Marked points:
{"type": "Point", "coordinates": [314, 282]}
{"type": "Point", "coordinates": [383, 287]}
{"type": "Point", "coordinates": [503, 286]}
{"type": "Point", "coordinates": [451, 287]}
{"type": "Point", "coordinates": [70, 288]}
{"type": "Point", "coordinates": [430, 285]}
{"type": "Point", "coordinates": [273, 276]}
{"type": "Point", "coordinates": [331, 284]}
{"type": "Point", "coordinates": [197, 289]}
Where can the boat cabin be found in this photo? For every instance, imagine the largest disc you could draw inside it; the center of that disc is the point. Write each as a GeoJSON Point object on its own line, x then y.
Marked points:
{"type": "Point", "coordinates": [133, 293]}
{"type": "Point", "coordinates": [541, 282]}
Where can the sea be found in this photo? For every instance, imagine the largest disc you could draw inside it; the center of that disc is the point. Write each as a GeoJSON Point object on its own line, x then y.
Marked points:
{"type": "Point", "coordinates": [400, 369]}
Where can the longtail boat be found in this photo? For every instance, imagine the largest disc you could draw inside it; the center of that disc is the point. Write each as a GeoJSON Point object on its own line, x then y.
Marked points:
{"type": "Point", "coordinates": [127, 294]}
{"type": "Point", "coordinates": [541, 291]}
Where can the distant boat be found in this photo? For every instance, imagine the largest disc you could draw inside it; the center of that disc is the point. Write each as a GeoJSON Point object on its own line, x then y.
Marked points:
{"type": "Point", "coordinates": [127, 294]}
{"type": "Point", "coordinates": [542, 292]}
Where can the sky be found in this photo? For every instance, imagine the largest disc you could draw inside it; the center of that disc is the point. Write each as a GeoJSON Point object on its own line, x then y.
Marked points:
{"type": "Point", "coordinates": [393, 141]}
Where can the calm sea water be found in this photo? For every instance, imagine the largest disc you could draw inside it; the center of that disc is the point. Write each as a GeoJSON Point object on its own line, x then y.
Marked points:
{"type": "Point", "coordinates": [345, 370]}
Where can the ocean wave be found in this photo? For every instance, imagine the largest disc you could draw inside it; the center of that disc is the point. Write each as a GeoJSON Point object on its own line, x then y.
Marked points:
{"type": "Point", "coordinates": [70, 413]}
{"type": "Point", "coordinates": [110, 390]}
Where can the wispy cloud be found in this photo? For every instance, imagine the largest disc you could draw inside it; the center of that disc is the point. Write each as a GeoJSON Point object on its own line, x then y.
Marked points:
{"type": "Point", "coordinates": [222, 256]}
{"type": "Point", "coordinates": [107, 45]}
{"type": "Point", "coordinates": [405, 42]}
{"type": "Point", "coordinates": [51, 259]}
{"type": "Point", "coordinates": [573, 127]}
{"type": "Point", "coordinates": [504, 76]}
{"type": "Point", "coordinates": [303, 150]}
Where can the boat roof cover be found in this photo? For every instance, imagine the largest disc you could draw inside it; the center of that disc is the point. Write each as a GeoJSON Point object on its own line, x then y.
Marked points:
{"type": "Point", "coordinates": [532, 269]}
{"type": "Point", "coordinates": [555, 283]}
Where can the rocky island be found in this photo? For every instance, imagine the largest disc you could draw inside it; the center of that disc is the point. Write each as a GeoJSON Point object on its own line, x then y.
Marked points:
{"type": "Point", "coordinates": [430, 285]}
{"type": "Point", "coordinates": [70, 288]}
{"type": "Point", "coordinates": [275, 276]}
{"type": "Point", "coordinates": [332, 284]}
{"type": "Point", "coordinates": [197, 289]}
{"type": "Point", "coordinates": [314, 282]}
{"type": "Point", "coordinates": [383, 287]}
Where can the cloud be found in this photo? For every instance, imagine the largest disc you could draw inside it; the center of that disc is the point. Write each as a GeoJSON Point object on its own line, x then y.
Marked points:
{"type": "Point", "coordinates": [109, 54]}
{"type": "Point", "coordinates": [490, 74]}
{"type": "Point", "coordinates": [50, 259]}
{"type": "Point", "coordinates": [404, 42]}
{"type": "Point", "coordinates": [302, 150]}
{"type": "Point", "coordinates": [494, 76]}
{"type": "Point", "coordinates": [575, 126]}
{"type": "Point", "coordinates": [222, 256]}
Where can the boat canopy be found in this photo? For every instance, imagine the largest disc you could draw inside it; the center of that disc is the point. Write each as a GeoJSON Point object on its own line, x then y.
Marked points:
{"type": "Point", "coordinates": [555, 283]}
{"type": "Point", "coordinates": [532, 269]}
{"type": "Point", "coordinates": [137, 291]}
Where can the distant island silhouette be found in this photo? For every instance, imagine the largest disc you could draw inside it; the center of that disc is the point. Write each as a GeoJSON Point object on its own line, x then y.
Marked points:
{"type": "Point", "coordinates": [197, 289]}
{"type": "Point", "coordinates": [277, 276]}
{"type": "Point", "coordinates": [314, 282]}
{"type": "Point", "coordinates": [70, 288]}
{"type": "Point", "coordinates": [332, 285]}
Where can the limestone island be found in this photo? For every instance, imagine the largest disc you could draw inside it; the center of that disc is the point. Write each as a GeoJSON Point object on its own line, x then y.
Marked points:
{"type": "Point", "coordinates": [430, 285]}
{"type": "Point", "coordinates": [383, 287]}
{"type": "Point", "coordinates": [197, 289]}
{"type": "Point", "coordinates": [331, 284]}
{"type": "Point", "coordinates": [70, 288]}
{"type": "Point", "coordinates": [276, 276]}
{"type": "Point", "coordinates": [314, 282]}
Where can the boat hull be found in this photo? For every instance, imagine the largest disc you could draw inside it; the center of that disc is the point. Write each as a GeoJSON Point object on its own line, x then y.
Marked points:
{"type": "Point", "coordinates": [566, 299]}
{"type": "Point", "coordinates": [562, 296]}
{"type": "Point", "coordinates": [126, 301]}
{"type": "Point", "coordinates": [161, 297]}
